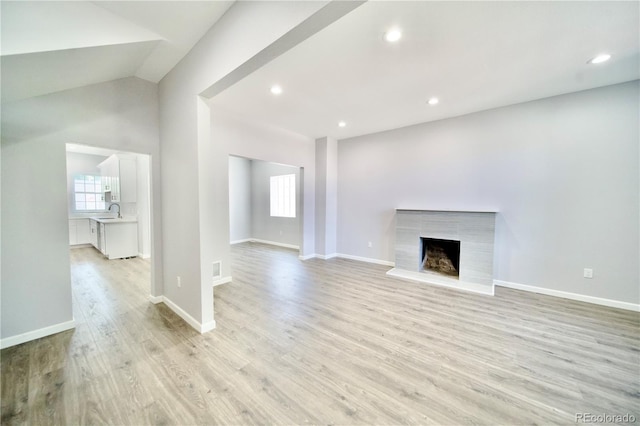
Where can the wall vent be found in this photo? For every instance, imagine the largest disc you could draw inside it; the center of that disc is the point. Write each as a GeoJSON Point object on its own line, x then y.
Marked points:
{"type": "Point", "coordinates": [217, 270]}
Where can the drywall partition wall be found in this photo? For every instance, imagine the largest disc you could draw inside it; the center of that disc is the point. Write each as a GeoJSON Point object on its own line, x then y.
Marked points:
{"type": "Point", "coordinates": [236, 136]}
{"type": "Point", "coordinates": [120, 115]}
{"type": "Point", "coordinates": [280, 230]}
{"type": "Point", "coordinates": [239, 199]}
{"type": "Point", "coordinates": [80, 164]}
{"type": "Point", "coordinates": [143, 202]}
{"type": "Point", "coordinates": [326, 196]}
{"type": "Point", "coordinates": [561, 172]}
{"type": "Point", "coordinates": [249, 35]}
{"type": "Point", "coordinates": [36, 281]}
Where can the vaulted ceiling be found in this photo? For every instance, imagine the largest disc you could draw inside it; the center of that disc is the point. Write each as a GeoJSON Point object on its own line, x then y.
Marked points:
{"type": "Point", "coordinates": [49, 46]}
{"type": "Point", "coordinates": [472, 56]}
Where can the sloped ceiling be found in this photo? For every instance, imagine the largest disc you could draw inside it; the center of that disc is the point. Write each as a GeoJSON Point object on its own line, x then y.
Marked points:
{"type": "Point", "coordinates": [52, 46]}
{"type": "Point", "coordinates": [473, 56]}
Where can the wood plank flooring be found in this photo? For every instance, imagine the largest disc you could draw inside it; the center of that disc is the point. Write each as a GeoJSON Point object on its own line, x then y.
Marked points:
{"type": "Point", "coordinates": [320, 342]}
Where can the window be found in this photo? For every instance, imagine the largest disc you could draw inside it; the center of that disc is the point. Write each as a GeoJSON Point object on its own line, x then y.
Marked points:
{"type": "Point", "coordinates": [87, 191]}
{"type": "Point", "coordinates": [283, 196]}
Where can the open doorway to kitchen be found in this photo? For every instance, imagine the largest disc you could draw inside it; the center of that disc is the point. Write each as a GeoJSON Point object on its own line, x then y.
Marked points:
{"type": "Point", "coordinates": [109, 206]}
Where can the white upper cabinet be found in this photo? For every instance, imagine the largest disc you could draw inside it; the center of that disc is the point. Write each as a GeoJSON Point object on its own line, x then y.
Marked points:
{"type": "Point", "coordinates": [119, 178]}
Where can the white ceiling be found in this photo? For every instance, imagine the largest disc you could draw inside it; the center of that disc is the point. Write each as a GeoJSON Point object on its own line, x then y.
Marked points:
{"type": "Point", "coordinates": [471, 55]}
{"type": "Point", "coordinates": [48, 46]}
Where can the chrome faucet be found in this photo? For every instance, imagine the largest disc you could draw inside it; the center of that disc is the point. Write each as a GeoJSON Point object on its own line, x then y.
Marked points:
{"type": "Point", "coordinates": [116, 204]}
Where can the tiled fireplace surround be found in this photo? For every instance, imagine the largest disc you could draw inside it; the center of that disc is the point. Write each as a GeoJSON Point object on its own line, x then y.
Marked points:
{"type": "Point", "coordinates": [474, 230]}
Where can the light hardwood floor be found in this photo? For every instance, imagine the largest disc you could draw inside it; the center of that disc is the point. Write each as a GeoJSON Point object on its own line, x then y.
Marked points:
{"type": "Point", "coordinates": [321, 342]}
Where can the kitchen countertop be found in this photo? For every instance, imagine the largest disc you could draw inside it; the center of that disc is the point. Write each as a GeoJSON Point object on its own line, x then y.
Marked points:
{"type": "Point", "coordinates": [105, 219]}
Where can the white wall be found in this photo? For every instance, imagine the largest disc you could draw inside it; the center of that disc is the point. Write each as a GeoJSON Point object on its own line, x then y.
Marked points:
{"type": "Point", "coordinates": [562, 172]}
{"type": "Point", "coordinates": [283, 230]}
{"type": "Point", "coordinates": [239, 198]}
{"type": "Point", "coordinates": [121, 115]}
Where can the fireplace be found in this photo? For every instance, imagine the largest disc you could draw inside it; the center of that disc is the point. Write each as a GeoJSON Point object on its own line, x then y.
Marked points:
{"type": "Point", "coordinates": [458, 246]}
{"type": "Point", "coordinates": [440, 256]}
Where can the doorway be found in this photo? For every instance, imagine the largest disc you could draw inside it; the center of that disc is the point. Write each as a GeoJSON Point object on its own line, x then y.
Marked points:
{"type": "Point", "coordinates": [265, 202]}
{"type": "Point", "coordinates": [109, 208]}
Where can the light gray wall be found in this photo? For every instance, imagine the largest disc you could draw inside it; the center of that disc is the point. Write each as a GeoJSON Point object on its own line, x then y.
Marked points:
{"type": "Point", "coordinates": [234, 136]}
{"type": "Point", "coordinates": [36, 281]}
{"type": "Point", "coordinates": [195, 167]}
{"type": "Point", "coordinates": [239, 198]}
{"type": "Point", "coordinates": [143, 204]}
{"type": "Point", "coordinates": [562, 172]}
{"type": "Point", "coordinates": [284, 230]}
{"type": "Point", "coordinates": [326, 196]}
{"type": "Point", "coordinates": [120, 115]}
{"type": "Point", "coordinates": [80, 164]}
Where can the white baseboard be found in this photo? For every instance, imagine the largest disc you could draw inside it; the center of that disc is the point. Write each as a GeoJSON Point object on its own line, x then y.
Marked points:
{"type": "Point", "coordinates": [144, 256]}
{"type": "Point", "coordinates": [326, 256]}
{"type": "Point", "coordinates": [567, 295]}
{"type": "Point", "coordinates": [197, 325]}
{"type": "Point", "coordinates": [222, 281]}
{"type": "Point", "coordinates": [208, 326]}
{"type": "Point", "coordinates": [318, 256]}
{"type": "Point", "coordinates": [346, 256]}
{"type": "Point", "coordinates": [37, 334]}
{"type": "Point", "coordinates": [487, 290]}
{"type": "Point", "coordinates": [275, 243]}
{"type": "Point", "coordinates": [246, 240]}
{"type": "Point", "coordinates": [76, 246]}
{"type": "Point", "coordinates": [365, 259]}
{"type": "Point", "coordinates": [156, 299]}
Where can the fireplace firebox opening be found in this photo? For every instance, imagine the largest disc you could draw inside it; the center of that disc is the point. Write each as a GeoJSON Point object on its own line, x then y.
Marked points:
{"type": "Point", "coordinates": [440, 256]}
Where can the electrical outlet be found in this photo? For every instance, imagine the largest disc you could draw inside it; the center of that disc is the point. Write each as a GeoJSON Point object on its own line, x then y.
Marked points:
{"type": "Point", "coordinates": [179, 281]}
{"type": "Point", "coordinates": [370, 244]}
{"type": "Point", "coordinates": [588, 273]}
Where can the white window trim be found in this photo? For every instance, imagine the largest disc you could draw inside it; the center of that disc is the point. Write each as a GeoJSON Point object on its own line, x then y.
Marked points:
{"type": "Point", "coordinates": [282, 196]}
{"type": "Point", "coordinates": [99, 195]}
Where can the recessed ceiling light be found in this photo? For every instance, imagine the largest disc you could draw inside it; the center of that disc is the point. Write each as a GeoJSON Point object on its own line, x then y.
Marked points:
{"type": "Point", "coordinates": [393, 35]}
{"type": "Point", "coordinates": [433, 101]}
{"type": "Point", "coordinates": [603, 57]}
{"type": "Point", "coordinates": [342, 124]}
{"type": "Point", "coordinates": [276, 90]}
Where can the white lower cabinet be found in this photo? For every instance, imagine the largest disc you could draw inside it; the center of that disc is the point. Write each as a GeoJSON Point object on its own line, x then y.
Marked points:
{"type": "Point", "coordinates": [79, 231]}
{"type": "Point", "coordinates": [119, 239]}
{"type": "Point", "coordinates": [93, 233]}
{"type": "Point", "coordinates": [115, 239]}
{"type": "Point", "coordinates": [102, 240]}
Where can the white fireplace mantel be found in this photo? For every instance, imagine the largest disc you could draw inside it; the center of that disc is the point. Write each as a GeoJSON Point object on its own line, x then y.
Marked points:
{"type": "Point", "coordinates": [474, 229]}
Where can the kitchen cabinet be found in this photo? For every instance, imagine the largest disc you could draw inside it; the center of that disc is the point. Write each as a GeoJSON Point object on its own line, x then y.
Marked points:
{"type": "Point", "coordinates": [102, 246]}
{"type": "Point", "coordinates": [115, 238]}
{"type": "Point", "coordinates": [93, 233]}
{"type": "Point", "coordinates": [119, 178]}
{"type": "Point", "coordinates": [79, 231]}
